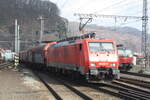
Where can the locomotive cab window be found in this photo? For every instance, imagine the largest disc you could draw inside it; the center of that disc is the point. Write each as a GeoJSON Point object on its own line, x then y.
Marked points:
{"type": "Point", "coordinates": [125, 53]}
{"type": "Point", "coordinates": [101, 46]}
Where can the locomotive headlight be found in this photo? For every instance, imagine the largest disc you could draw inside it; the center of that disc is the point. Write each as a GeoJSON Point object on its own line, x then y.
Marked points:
{"type": "Point", "coordinates": [93, 64]}
{"type": "Point", "coordinates": [113, 65]}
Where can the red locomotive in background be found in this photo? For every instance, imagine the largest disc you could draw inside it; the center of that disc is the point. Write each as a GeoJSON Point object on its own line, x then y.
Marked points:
{"type": "Point", "coordinates": [94, 59]}
{"type": "Point", "coordinates": [125, 58]}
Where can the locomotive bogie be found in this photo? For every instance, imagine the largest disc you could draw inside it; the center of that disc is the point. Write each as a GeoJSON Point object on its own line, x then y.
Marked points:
{"type": "Point", "coordinates": [104, 73]}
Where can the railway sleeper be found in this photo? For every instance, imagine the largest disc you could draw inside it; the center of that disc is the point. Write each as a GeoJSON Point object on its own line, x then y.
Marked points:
{"type": "Point", "coordinates": [127, 90]}
{"type": "Point", "coordinates": [145, 85]}
{"type": "Point", "coordinates": [132, 95]}
{"type": "Point", "coordinates": [130, 87]}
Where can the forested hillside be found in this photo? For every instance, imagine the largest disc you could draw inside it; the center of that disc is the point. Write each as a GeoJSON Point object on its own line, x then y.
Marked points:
{"type": "Point", "coordinates": [27, 13]}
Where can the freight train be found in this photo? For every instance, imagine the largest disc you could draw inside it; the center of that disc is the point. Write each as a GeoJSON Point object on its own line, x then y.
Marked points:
{"type": "Point", "coordinates": [125, 58]}
{"type": "Point", "coordinates": [93, 59]}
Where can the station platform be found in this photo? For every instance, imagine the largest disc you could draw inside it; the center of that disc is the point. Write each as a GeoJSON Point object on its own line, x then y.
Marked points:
{"type": "Point", "coordinates": [22, 85]}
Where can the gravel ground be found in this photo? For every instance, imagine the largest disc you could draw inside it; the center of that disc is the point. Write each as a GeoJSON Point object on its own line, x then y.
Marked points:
{"type": "Point", "coordinates": [138, 69]}
{"type": "Point", "coordinates": [22, 86]}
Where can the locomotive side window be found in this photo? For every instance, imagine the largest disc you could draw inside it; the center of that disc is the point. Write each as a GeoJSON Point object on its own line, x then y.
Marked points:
{"type": "Point", "coordinates": [125, 53]}
{"type": "Point", "coordinates": [101, 46]}
{"type": "Point", "coordinates": [80, 47]}
{"type": "Point", "coordinates": [53, 45]}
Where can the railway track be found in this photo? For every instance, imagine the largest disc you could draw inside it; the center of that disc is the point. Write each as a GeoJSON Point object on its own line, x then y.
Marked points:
{"type": "Point", "coordinates": [137, 82]}
{"type": "Point", "coordinates": [136, 92]}
{"type": "Point", "coordinates": [5, 65]}
{"type": "Point", "coordinates": [57, 97]}
{"type": "Point", "coordinates": [110, 89]}
{"type": "Point", "coordinates": [70, 87]}
{"type": "Point", "coordinates": [136, 74]}
{"type": "Point", "coordinates": [119, 88]}
{"type": "Point", "coordinates": [122, 90]}
{"type": "Point", "coordinates": [126, 88]}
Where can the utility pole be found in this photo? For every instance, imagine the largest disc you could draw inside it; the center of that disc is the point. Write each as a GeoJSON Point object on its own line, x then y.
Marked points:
{"type": "Point", "coordinates": [17, 44]}
{"type": "Point", "coordinates": [144, 33]}
{"type": "Point", "coordinates": [17, 37]}
{"type": "Point", "coordinates": [42, 27]}
{"type": "Point", "coordinates": [16, 34]}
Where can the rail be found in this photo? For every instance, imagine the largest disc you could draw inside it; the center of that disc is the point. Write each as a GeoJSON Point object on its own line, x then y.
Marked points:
{"type": "Point", "coordinates": [136, 74]}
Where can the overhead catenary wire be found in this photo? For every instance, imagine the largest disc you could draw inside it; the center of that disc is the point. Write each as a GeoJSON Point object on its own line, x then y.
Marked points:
{"type": "Point", "coordinates": [136, 9]}
{"type": "Point", "coordinates": [83, 5]}
{"type": "Point", "coordinates": [123, 3]}
{"type": "Point", "coordinates": [64, 4]}
{"type": "Point", "coordinates": [117, 4]}
{"type": "Point", "coordinates": [103, 9]}
{"type": "Point", "coordinates": [124, 23]}
{"type": "Point", "coordinates": [134, 4]}
{"type": "Point", "coordinates": [128, 16]}
{"type": "Point", "coordinates": [110, 6]}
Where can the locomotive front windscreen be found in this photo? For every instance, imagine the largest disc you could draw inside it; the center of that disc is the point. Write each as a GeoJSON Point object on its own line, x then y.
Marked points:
{"type": "Point", "coordinates": [101, 46]}
{"type": "Point", "coordinates": [125, 53]}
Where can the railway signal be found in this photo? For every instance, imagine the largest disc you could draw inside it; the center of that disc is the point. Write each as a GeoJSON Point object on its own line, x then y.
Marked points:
{"type": "Point", "coordinates": [16, 59]}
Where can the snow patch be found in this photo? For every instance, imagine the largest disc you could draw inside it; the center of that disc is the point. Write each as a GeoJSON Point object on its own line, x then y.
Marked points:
{"type": "Point", "coordinates": [31, 82]}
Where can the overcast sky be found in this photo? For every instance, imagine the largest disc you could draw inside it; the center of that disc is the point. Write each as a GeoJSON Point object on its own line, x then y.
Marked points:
{"type": "Point", "coordinates": [108, 7]}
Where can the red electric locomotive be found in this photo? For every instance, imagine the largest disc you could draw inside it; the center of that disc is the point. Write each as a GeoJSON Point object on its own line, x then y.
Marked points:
{"type": "Point", "coordinates": [93, 58]}
{"type": "Point", "coordinates": [125, 58]}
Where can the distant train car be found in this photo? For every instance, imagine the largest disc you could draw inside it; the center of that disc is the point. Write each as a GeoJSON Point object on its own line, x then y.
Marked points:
{"type": "Point", "coordinates": [125, 59]}
{"type": "Point", "coordinates": [1, 57]}
{"type": "Point", "coordinates": [6, 55]}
